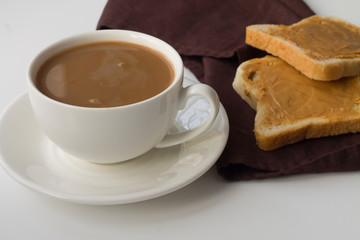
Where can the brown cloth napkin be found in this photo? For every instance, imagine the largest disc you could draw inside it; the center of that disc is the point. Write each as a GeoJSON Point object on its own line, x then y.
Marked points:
{"type": "Point", "coordinates": [210, 36]}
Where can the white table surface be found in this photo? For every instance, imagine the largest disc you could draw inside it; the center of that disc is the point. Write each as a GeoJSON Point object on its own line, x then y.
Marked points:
{"type": "Point", "coordinates": [321, 206]}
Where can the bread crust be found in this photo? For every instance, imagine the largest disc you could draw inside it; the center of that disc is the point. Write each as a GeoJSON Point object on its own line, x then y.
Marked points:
{"type": "Point", "coordinates": [325, 70]}
{"type": "Point", "coordinates": [301, 130]}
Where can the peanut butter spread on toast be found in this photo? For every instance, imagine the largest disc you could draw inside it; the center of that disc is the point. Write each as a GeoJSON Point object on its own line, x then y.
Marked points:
{"type": "Point", "coordinates": [290, 95]}
{"type": "Point", "coordinates": [322, 38]}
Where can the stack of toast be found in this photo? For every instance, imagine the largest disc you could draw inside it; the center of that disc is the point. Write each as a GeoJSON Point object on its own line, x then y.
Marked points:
{"type": "Point", "coordinates": [308, 87]}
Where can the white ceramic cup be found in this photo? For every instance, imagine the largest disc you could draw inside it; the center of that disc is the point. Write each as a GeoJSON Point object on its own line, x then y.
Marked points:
{"type": "Point", "coordinates": [116, 134]}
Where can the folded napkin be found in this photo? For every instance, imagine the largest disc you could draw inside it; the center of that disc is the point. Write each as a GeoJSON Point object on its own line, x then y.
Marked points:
{"type": "Point", "coordinates": [210, 37]}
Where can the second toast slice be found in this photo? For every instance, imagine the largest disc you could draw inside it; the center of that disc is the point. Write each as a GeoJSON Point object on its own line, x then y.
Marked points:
{"type": "Point", "coordinates": [292, 107]}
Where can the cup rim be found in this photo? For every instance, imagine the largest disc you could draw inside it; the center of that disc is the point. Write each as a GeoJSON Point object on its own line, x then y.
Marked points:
{"type": "Point", "coordinates": [84, 38]}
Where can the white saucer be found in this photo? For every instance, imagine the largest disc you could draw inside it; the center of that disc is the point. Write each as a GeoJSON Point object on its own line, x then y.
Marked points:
{"type": "Point", "coordinates": [30, 158]}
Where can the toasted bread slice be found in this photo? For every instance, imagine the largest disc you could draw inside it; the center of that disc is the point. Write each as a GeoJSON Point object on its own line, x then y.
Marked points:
{"type": "Point", "coordinates": [292, 107]}
{"type": "Point", "coordinates": [322, 48]}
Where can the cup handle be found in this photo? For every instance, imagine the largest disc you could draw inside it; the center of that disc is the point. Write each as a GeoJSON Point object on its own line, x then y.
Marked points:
{"type": "Point", "coordinates": [212, 98]}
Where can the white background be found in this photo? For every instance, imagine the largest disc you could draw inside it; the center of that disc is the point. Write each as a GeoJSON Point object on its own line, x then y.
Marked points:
{"type": "Point", "coordinates": [321, 206]}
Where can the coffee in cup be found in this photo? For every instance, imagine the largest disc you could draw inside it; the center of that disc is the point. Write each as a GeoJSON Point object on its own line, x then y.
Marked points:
{"type": "Point", "coordinates": [105, 74]}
